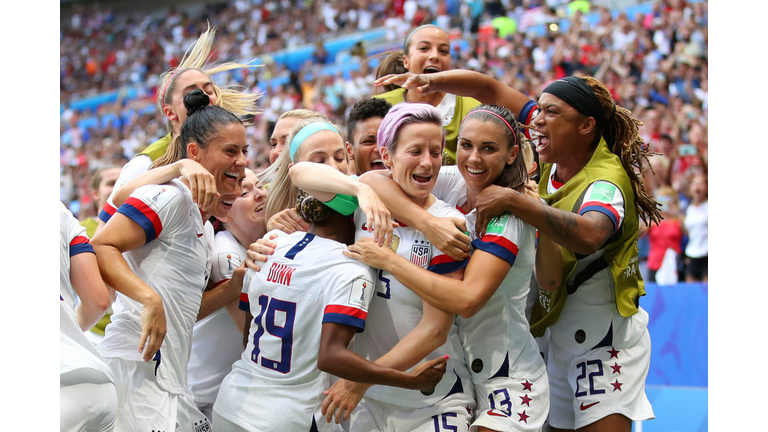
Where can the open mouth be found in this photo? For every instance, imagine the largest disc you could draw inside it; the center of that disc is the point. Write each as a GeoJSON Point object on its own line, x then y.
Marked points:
{"type": "Point", "coordinates": [259, 209]}
{"type": "Point", "coordinates": [377, 164]}
{"type": "Point", "coordinates": [421, 179]}
{"type": "Point", "coordinates": [475, 171]}
{"type": "Point", "coordinates": [430, 69]}
{"type": "Point", "coordinates": [232, 175]}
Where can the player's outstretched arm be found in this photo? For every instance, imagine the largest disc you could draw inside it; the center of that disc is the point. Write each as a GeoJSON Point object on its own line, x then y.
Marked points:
{"type": "Point", "coordinates": [461, 82]}
{"type": "Point", "coordinates": [456, 296]}
{"type": "Point", "coordinates": [201, 183]}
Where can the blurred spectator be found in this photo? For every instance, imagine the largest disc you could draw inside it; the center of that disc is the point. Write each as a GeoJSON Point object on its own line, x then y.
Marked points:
{"type": "Point", "coordinates": [656, 64]}
{"type": "Point", "coordinates": [697, 226]}
{"type": "Point", "coordinates": [665, 239]}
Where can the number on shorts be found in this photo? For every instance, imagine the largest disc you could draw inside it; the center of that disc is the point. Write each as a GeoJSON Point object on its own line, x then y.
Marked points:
{"type": "Point", "coordinates": [504, 402]}
{"type": "Point", "coordinates": [269, 307]}
{"type": "Point", "coordinates": [583, 374]}
{"type": "Point", "coordinates": [386, 284]}
{"type": "Point", "coordinates": [445, 425]}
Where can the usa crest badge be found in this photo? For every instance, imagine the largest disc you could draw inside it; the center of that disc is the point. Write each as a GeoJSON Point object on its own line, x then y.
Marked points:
{"type": "Point", "coordinates": [420, 253]}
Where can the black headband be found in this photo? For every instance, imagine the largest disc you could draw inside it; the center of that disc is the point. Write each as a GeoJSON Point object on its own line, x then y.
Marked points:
{"type": "Point", "coordinates": [576, 93]}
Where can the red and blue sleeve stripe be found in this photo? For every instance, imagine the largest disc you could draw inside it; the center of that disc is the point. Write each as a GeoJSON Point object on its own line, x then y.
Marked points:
{"type": "Point", "coordinates": [139, 212]}
{"type": "Point", "coordinates": [245, 304]}
{"type": "Point", "coordinates": [443, 264]}
{"type": "Point", "coordinates": [80, 244]}
{"type": "Point", "coordinates": [603, 208]}
{"type": "Point", "coordinates": [345, 315]}
{"type": "Point", "coordinates": [526, 115]}
{"type": "Point", "coordinates": [499, 246]}
{"type": "Point", "coordinates": [107, 212]}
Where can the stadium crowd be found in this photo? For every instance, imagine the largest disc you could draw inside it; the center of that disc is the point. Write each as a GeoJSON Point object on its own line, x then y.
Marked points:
{"type": "Point", "coordinates": [654, 64]}
{"type": "Point", "coordinates": [647, 70]}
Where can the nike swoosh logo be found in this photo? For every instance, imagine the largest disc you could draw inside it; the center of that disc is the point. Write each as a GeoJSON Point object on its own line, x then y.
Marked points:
{"type": "Point", "coordinates": [583, 407]}
{"type": "Point", "coordinates": [490, 412]}
{"type": "Point", "coordinates": [199, 235]}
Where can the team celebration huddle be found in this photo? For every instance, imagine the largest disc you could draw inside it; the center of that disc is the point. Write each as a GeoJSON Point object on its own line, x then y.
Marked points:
{"type": "Point", "coordinates": [457, 257]}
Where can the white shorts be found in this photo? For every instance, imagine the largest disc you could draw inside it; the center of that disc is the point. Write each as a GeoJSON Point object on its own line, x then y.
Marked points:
{"type": "Point", "coordinates": [87, 406]}
{"type": "Point", "coordinates": [454, 413]}
{"type": "Point", "coordinates": [603, 381]}
{"type": "Point", "coordinates": [144, 406]}
{"type": "Point", "coordinates": [512, 404]}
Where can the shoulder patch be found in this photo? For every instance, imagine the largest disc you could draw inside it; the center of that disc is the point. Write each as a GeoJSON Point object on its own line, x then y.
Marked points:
{"type": "Point", "coordinates": [602, 191]}
{"type": "Point", "coordinates": [157, 197]}
{"type": "Point", "coordinates": [360, 293]}
{"type": "Point", "coordinates": [228, 262]}
{"type": "Point", "coordinates": [497, 224]}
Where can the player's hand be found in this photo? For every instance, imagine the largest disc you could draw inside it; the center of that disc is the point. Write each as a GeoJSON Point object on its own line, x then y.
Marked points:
{"type": "Point", "coordinates": [153, 327]}
{"type": "Point", "coordinates": [259, 252]}
{"type": "Point", "coordinates": [341, 399]}
{"type": "Point", "coordinates": [201, 183]}
{"type": "Point", "coordinates": [370, 253]}
{"type": "Point", "coordinates": [378, 218]}
{"type": "Point", "coordinates": [235, 285]}
{"type": "Point", "coordinates": [410, 81]}
{"type": "Point", "coordinates": [490, 203]}
{"type": "Point", "coordinates": [428, 374]}
{"type": "Point", "coordinates": [449, 236]}
{"type": "Point", "coordinates": [532, 190]}
{"type": "Point", "coordinates": [287, 221]}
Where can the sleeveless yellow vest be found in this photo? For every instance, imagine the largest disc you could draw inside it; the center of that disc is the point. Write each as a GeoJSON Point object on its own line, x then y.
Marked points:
{"type": "Point", "coordinates": [157, 148]}
{"type": "Point", "coordinates": [620, 252]}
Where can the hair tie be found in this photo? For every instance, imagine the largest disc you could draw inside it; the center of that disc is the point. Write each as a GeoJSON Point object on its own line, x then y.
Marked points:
{"type": "Point", "coordinates": [165, 86]}
{"type": "Point", "coordinates": [500, 117]}
{"type": "Point", "coordinates": [305, 133]}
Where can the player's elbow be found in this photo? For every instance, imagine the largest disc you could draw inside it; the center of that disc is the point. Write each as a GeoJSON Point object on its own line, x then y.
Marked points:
{"type": "Point", "coordinates": [326, 360]}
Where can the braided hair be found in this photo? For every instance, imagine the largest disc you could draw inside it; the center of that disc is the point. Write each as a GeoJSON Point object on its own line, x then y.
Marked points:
{"type": "Point", "coordinates": [622, 135]}
{"type": "Point", "coordinates": [311, 209]}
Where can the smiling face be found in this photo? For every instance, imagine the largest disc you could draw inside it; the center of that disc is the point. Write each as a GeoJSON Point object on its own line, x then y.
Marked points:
{"type": "Point", "coordinates": [416, 160]}
{"type": "Point", "coordinates": [184, 83]}
{"type": "Point", "coordinates": [325, 147]}
{"type": "Point", "coordinates": [556, 125]}
{"type": "Point", "coordinates": [247, 213]}
{"type": "Point", "coordinates": [279, 135]}
{"type": "Point", "coordinates": [225, 158]}
{"type": "Point", "coordinates": [483, 152]}
{"type": "Point", "coordinates": [429, 51]}
{"type": "Point", "coordinates": [362, 151]}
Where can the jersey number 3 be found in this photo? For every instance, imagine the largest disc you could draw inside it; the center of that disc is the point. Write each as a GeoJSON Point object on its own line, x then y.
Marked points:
{"type": "Point", "coordinates": [265, 321]}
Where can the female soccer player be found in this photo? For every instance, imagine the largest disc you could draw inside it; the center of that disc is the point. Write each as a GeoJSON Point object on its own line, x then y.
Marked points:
{"type": "Point", "coordinates": [156, 252]}
{"type": "Point", "coordinates": [411, 140]}
{"type": "Point", "coordinates": [308, 303]}
{"type": "Point", "coordinates": [591, 151]}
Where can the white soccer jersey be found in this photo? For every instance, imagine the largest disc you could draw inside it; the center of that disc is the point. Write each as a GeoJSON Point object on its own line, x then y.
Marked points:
{"type": "Point", "coordinates": [396, 310]}
{"type": "Point", "coordinates": [132, 169]}
{"type": "Point", "coordinates": [497, 339]}
{"type": "Point", "coordinates": [75, 351]}
{"type": "Point", "coordinates": [175, 262]}
{"type": "Point", "coordinates": [216, 342]}
{"type": "Point", "coordinates": [73, 241]}
{"type": "Point", "coordinates": [276, 384]}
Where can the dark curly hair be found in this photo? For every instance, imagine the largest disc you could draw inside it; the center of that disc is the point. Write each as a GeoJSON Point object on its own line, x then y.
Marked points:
{"type": "Point", "coordinates": [363, 110]}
